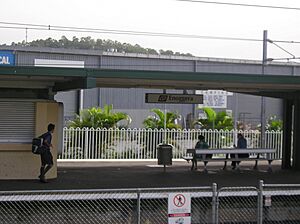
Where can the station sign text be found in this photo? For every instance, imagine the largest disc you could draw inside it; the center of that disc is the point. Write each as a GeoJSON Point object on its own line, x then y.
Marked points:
{"type": "Point", "coordinates": [7, 58]}
{"type": "Point", "coordinates": [173, 98]}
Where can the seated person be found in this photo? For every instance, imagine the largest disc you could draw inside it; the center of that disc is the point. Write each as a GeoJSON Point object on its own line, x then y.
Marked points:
{"type": "Point", "coordinates": [201, 144]}
{"type": "Point", "coordinates": [241, 144]}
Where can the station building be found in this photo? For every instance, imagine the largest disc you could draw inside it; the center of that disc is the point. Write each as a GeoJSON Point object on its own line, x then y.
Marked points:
{"type": "Point", "coordinates": [42, 85]}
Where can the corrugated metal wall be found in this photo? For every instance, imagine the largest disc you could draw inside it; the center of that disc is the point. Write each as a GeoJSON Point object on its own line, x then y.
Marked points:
{"type": "Point", "coordinates": [227, 67]}
{"type": "Point", "coordinates": [249, 107]}
{"type": "Point", "coordinates": [69, 99]}
{"type": "Point", "coordinates": [27, 58]}
{"type": "Point", "coordinates": [147, 64]}
{"type": "Point", "coordinates": [132, 101]}
{"type": "Point", "coordinates": [91, 98]}
{"type": "Point", "coordinates": [243, 68]}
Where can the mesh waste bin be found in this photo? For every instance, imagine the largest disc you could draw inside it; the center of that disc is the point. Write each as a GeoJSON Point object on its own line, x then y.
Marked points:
{"type": "Point", "coordinates": [164, 154]}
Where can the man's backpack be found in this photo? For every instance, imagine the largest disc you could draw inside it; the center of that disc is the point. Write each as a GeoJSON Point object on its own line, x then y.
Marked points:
{"type": "Point", "coordinates": [37, 145]}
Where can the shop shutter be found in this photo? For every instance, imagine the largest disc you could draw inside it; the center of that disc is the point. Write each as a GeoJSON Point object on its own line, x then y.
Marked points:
{"type": "Point", "coordinates": [17, 121]}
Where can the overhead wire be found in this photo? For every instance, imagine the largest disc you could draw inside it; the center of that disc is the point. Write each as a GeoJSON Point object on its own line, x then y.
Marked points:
{"type": "Point", "coordinates": [28, 26]}
{"type": "Point", "coordinates": [241, 4]}
{"type": "Point", "coordinates": [124, 32]}
{"type": "Point", "coordinates": [281, 48]}
{"type": "Point", "coordinates": [42, 27]}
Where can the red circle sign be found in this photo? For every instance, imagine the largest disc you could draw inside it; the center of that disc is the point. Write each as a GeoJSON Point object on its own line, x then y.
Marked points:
{"type": "Point", "coordinates": [179, 200]}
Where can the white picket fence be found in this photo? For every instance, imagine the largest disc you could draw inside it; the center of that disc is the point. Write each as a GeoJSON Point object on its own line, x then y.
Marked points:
{"type": "Point", "coordinates": [89, 143]}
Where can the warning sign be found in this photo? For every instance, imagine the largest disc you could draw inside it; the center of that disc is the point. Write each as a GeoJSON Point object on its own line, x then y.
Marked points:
{"type": "Point", "coordinates": [179, 200]}
{"type": "Point", "coordinates": [179, 208]}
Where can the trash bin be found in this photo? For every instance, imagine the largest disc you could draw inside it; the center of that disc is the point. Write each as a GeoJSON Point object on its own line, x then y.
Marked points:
{"type": "Point", "coordinates": [164, 154]}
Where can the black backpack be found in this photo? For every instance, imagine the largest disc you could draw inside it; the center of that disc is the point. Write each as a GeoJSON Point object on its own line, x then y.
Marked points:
{"type": "Point", "coordinates": [37, 145]}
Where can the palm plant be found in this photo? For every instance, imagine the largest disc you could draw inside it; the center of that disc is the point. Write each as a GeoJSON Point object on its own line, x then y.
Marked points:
{"type": "Point", "coordinates": [159, 118]}
{"type": "Point", "coordinates": [158, 121]}
{"type": "Point", "coordinates": [215, 120]}
{"type": "Point", "coordinates": [99, 118]}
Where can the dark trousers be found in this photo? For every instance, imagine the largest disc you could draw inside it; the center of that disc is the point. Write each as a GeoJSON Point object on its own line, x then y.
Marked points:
{"type": "Point", "coordinates": [233, 163]}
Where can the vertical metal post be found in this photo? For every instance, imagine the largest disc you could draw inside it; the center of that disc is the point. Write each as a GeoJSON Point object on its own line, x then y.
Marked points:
{"type": "Point", "coordinates": [79, 101]}
{"type": "Point", "coordinates": [263, 100]}
{"type": "Point", "coordinates": [214, 203]}
{"type": "Point", "coordinates": [287, 133]}
{"type": "Point", "coordinates": [99, 97]}
{"type": "Point", "coordinates": [165, 121]}
{"type": "Point", "coordinates": [235, 114]}
{"type": "Point", "coordinates": [86, 143]}
{"type": "Point", "coordinates": [26, 35]}
{"type": "Point", "coordinates": [260, 203]}
{"type": "Point", "coordinates": [138, 206]}
{"type": "Point", "coordinates": [296, 133]}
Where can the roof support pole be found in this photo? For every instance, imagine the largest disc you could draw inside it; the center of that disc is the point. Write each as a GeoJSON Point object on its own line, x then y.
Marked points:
{"type": "Point", "coordinates": [287, 133]}
{"type": "Point", "coordinates": [296, 135]}
{"type": "Point", "coordinates": [263, 99]}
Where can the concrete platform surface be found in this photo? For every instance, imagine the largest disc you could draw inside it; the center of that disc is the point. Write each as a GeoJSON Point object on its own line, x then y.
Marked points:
{"type": "Point", "coordinates": [147, 174]}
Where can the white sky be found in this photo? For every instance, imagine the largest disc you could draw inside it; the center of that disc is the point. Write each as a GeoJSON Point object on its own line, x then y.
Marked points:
{"type": "Point", "coordinates": [168, 16]}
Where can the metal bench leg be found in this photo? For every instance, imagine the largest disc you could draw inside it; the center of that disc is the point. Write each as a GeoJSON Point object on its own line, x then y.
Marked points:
{"type": "Point", "coordinates": [194, 164]}
{"type": "Point", "coordinates": [205, 167]}
{"type": "Point", "coordinates": [269, 166]}
{"type": "Point", "coordinates": [225, 165]}
{"type": "Point", "coordinates": [256, 162]}
{"type": "Point", "coordinates": [255, 166]}
{"type": "Point", "coordinates": [238, 166]}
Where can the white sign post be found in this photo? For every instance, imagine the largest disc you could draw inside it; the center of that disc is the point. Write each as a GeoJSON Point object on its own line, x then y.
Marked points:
{"type": "Point", "coordinates": [179, 208]}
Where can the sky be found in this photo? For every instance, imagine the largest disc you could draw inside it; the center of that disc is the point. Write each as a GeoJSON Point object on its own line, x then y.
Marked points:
{"type": "Point", "coordinates": [167, 16]}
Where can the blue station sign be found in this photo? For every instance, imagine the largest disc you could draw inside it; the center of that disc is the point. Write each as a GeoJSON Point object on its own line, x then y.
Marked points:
{"type": "Point", "coordinates": [7, 58]}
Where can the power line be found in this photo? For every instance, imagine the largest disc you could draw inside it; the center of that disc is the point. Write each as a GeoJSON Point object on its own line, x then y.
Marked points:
{"type": "Point", "coordinates": [287, 41]}
{"type": "Point", "coordinates": [122, 32]}
{"type": "Point", "coordinates": [281, 48]}
{"type": "Point", "coordinates": [42, 27]}
{"type": "Point", "coordinates": [242, 4]}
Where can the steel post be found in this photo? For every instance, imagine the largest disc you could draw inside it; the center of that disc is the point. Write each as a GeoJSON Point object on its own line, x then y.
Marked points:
{"type": "Point", "coordinates": [214, 203]}
{"type": "Point", "coordinates": [260, 203]}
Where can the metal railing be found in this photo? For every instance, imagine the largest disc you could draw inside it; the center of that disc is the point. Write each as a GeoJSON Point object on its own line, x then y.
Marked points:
{"type": "Point", "coordinates": [267, 203]}
{"type": "Point", "coordinates": [89, 143]}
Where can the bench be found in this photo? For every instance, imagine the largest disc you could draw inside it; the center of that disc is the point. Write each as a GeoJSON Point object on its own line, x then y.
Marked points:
{"type": "Point", "coordinates": [195, 155]}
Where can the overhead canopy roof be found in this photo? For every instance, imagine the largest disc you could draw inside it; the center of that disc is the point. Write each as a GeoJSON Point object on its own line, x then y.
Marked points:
{"type": "Point", "coordinates": [62, 79]}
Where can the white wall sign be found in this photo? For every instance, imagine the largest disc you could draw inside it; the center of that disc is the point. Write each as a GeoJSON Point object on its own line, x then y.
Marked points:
{"type": "Point", "coordinates": [179, 208]}
{"type": "Point", "coordinates": [214, 92]}
{"type": "Point", "coordinates": [215, 101]}
{"type": "Point", "coordinates": [58, 63]}
{"type": "Point", "coordinates": [214, 98]}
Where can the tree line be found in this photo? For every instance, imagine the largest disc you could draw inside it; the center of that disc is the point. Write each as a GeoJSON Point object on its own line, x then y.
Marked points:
{"type": "Point", "coordinates": [89, 43]}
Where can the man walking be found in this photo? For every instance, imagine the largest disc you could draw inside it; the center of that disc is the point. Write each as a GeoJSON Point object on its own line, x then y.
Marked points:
{"type": "Point", "coordinates": [46, 156]}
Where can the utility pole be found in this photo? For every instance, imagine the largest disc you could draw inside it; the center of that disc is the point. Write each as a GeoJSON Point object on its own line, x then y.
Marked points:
{"type": "Point", "coordinates": [263, 99]}
{"type": "Point", "coordinates": [26, 34]}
